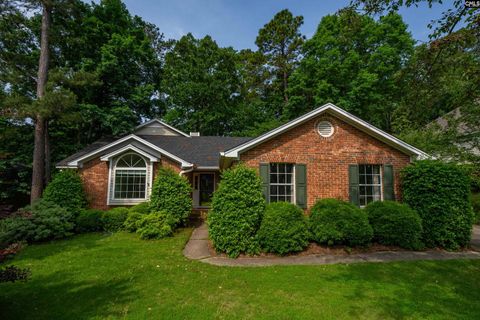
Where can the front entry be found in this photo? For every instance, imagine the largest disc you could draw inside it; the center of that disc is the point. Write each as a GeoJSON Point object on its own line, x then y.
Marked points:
{"type": "Point", "coordinates": [203, 188]}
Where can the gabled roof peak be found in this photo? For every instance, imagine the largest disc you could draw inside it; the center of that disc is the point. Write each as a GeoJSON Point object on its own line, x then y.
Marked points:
{"type": "Point", "coordinates": [168, 129]}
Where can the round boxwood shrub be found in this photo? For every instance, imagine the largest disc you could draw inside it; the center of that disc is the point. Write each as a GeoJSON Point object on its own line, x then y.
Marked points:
{"type": "Point", "coordinates": [337, 222]}
{"type": "Point", "coordinates": [131, 223]}
{"type": "Point", "coordinates": [113, 219]}
{"type": "Point", "coordinates": [89, 220]}
{"type": "Point", "coordinates": [237, 210]}
{"type": "Point", "coordinates": [155, 225]}
{"type": "Point", "coordinates": [171, 194]}
{"type": "Point", "coordinates": [395, 224]}
{"type": "Point", "coordinates": [142, 208]}
{"type": "Point", "coordinates": [283, 229]}
{"type": "Point", "coordinates": [66, 190]}
{"type": "Point", "coordinates": [440, 192]}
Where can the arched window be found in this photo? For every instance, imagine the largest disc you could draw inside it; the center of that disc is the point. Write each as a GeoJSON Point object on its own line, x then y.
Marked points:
{"type": "Point", "coordinates": [130, 177]}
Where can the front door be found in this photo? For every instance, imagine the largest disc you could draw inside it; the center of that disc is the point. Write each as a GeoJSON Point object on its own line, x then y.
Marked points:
{"type": "Point", "coordinates": [204, 186]}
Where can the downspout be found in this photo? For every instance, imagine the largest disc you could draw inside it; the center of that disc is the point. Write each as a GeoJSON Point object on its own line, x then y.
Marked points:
{"type": "Point", "coordinates": [185, 171]}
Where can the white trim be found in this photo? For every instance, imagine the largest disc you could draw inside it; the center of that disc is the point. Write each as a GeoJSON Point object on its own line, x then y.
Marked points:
{"type": "Point", "coordinates": [183, 163]}
{"type": "Point", "coordinates": [389, 139]}
{"type": "Point", "coordinates": [207, 168]}
{"type": "Point", "coordinates": [129, 147]}
{"type": "Point", "coordinates": [162, 123]}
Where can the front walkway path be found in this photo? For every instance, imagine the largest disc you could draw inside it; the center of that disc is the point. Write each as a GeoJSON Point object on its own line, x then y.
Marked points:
{"type": "Point", "coordinates": [197, 248]}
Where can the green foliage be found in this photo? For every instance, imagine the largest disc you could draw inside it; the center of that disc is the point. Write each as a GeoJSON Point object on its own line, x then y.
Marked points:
{"type": "Point", "coordinates": [283, 229]}
{"type": "Point", "coordinates": [237, 210]}
{"type": "Point", "coordinates": [13, 274]}
{"type": "Point", "coordinates": [337, 222]}
{"type": "Point", "coordinates": [155, 225]}
{"type": "Point", "coordinates": [171, 194]}
{"type": "Point", "coordinates": [395, 224]}
{"type": "Point", "coordinates": [66, 190]}
{"type": "Point", "coordinates": [40, 222]}
{"type": "Point", "coordinates": [89, 220]}
{"type": "Point", "coordinates": [131, 223]}
{"type": "Point", "coordinates": [440, 192]}
{"type": "Point", "coordinates": [353, 61]}
{"type": "Point", "coordinates": [142, 208]}
{"type": "Point", "coordinates": [476, 206]}
{"type": "Point", "coordinates": [113, 219]}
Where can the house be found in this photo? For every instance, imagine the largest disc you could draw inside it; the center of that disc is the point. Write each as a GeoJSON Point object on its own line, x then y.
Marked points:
{"type": "Point", "coordinates": [326, 153]}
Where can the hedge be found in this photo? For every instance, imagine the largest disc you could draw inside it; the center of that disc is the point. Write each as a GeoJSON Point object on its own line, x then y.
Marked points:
{"type": "Point", "coordinates": [66, 190]}
{"type": "Point", "coordinates": [283, 229]}
{"type": "Point", "coordinates": [337, 222]}
{"type": "Point", "coordinates": [171, 194]}
{"type": "Point", "coordinates": [440, 192]}
{"type": "Point", "coordinates": [113, 220]}
{"type": "Point", "coordinates": [237, 210]}
{"type": "Point", "coordinates": [395, 224]}
{"type": "Point", "coordinates": [89, 220]}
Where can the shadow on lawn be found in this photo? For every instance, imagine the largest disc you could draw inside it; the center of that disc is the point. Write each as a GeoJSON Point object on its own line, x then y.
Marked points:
{"type": "Point", "coordinates": [61, 297]}
{"type": "Point", "coordinates": [426, 289]}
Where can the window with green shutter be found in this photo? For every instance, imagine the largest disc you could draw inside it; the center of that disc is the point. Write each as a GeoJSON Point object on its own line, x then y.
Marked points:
{"type": "Point", "coordinates": [284, 182]}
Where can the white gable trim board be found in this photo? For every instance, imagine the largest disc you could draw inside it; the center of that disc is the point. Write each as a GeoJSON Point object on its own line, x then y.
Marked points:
{"type": "Point", "coordinates": [78, 162]}
{"type": "Point", "coordinates": [342, 114]}
{"type": "Point", "coordinates": [153, 121]}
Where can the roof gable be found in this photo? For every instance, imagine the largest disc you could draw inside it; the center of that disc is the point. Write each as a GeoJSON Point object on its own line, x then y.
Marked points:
{"type": "Point", "coordinates": [341, 114]}
{"type": "Point", "coordinates": [157, 127]}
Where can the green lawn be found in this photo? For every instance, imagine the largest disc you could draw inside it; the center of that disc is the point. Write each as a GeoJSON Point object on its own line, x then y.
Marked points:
{"type": "Point", "coordinates": [97, 276]}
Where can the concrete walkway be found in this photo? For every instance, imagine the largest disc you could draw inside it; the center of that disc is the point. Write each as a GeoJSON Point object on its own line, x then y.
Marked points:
{"type": "Point", "coordinates": [197, 248]}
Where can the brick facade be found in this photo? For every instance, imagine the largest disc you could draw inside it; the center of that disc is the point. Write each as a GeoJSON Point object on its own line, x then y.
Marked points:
{"type": "Point", "coordinates": [327, 159]}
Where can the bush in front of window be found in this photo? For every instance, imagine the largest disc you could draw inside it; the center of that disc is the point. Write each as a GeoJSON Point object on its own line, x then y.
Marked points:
{"type": "Point", "coordinates": [237, 209]}
{"type": "Point", "coordinates": [142, 208]}
{"type": "Point", "coordinates": [131, 223]}
{"type": "Point", "coordinates": [395, 224]}
{"type": "Point", "coordinates": [171, 194]}
{"type": "Point", "coordinates": [283, 229]}
{"type": "Point", "coordinates": [337, 222]}
{"type": "Point", "coordinates": [113, 219]}
{"type": "Point", "coordinates": [155, 225]}
{"type": "Point", "coordinates": [39, 222]}
{"type": "Point", "coordinates": [89, 220]}
{"type": "Point", "coordinates": [440, 193]}
{"type": "Point", "coordinates": [66, 190]}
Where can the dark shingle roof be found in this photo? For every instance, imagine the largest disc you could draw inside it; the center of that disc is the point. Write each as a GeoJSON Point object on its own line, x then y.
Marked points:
{"type": "Point", "coordinates": [201, 151]}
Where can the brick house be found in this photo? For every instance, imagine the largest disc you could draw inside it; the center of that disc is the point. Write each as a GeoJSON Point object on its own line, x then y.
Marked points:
{"type": "Point", "coordinates": [326, 153]}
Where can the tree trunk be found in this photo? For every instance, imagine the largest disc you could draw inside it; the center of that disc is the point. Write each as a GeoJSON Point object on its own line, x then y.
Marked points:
{"type": "Point", "coordinates": [38, 166]}
{"type": "Point", "coordinates": [48, 157]}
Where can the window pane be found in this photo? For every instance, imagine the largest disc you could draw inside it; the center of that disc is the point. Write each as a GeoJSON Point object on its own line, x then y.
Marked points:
{"type": "Point", "coordinates": [273, 168]}
{"type": "Point", "coordinates": [273, 178]}
{"type": "Point", "coordinates": [273, 190]}
{"type": "Point", "coordinates": [281, 178]}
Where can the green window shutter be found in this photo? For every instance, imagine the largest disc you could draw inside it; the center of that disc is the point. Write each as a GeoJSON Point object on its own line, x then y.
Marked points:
{"type": "Point", "coordinates": [264, 176]}
{"type": "Point", "coordinates": [301, 185]}
{"type": "Point", "coordinates": [353, 190]}
{"type": "Point", "coordinates": [388, 185]}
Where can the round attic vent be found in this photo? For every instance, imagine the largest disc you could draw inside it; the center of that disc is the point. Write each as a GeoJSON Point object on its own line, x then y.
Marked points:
{"type": "Point", "coordinates": [325, 129]}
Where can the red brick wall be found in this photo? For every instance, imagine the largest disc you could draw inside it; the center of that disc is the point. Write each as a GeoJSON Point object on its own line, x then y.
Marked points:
{"type": "Point", "coordinates": [95, 180]}
{"type": "Point", "coordinates": [327, 159]}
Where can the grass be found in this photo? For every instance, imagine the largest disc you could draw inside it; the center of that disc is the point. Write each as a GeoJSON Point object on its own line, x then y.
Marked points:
{"type": "Point", "coordinates": [97, 276]}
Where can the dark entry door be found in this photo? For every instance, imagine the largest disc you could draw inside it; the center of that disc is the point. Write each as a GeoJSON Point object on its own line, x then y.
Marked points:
{"type": "Point", "coordinates": [207, 187]}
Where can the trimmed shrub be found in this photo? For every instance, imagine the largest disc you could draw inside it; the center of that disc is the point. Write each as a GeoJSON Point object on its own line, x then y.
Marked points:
{"type": "Point", "coordinates": [113, 219]}
{"type": "Point", "coordinates": [142, 208]}
{"type": "Point", "coordinates": [337, 222]}
{"type": "Point", "coordinates": [14, 273]}
{"type": "Point", "coordinates": [440, 192]}
{"type": "Point", "coordinates": [155, 225]}
{"type": "Point", "coordinates": [283, 229]}
{"type": "Point", "coordinates": [237, 211]}
{"type": "Point", "coordinates": [40, 222]}
{"type": "Point", "coordinates": [171, 194]}
{"type": "Point", "coordinates": [395, 224]}
{"type": "Point", "coordinates": [89, 220]}
{"type": "Point", "coordinates": [66, 190]}
{"type": "Point", "coordinates": [131, 223]}
{"type": "Point", "coordinates": [476, 207]}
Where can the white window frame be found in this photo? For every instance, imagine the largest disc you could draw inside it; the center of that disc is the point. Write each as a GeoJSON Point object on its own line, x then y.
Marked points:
{"type": "Point", "coordinates": [111, 200]}
{"type": "Point", "coordinates": [372, 184]}
{"type": "Point", "coordinates": [293, 183]}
